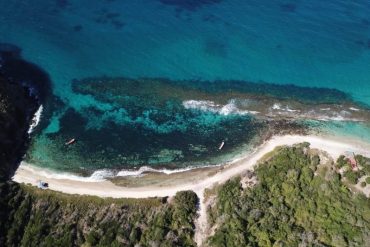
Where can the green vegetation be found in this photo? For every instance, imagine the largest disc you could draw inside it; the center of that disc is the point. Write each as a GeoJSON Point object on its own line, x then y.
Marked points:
{"type": "Point", "coordinates": [296, 201]}
{"type": "Point", "coordinates": [342, 161]}
{"type": "Point", "coordinates": [33, 217]}
{"type": "Point", "coordinates": [363, 162]}
{"type": "Point", "coordinates": [367, 180]}
{"type": "Point", "coordinates": [353, 175]}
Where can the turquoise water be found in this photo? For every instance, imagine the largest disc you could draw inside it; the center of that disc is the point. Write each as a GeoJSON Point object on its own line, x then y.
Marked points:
{"type": "Point", "coordinates": [305, 43]}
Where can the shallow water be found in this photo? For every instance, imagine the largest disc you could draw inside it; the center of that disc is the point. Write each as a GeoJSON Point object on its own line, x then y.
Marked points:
{"type": "Point", "coordinates": [305, 43]}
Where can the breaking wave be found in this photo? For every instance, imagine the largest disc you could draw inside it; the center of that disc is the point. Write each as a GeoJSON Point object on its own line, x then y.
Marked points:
{"type": "Point", "coordinates": [99, 175]}
{"type": "Point", "coordinates": [36, 119]}
{"type": "Point", "coordinates": [104, 174]}
{"type": "Point", "coordinates": [145, 169]}
{"type": "Point", "coordinates": [207, 105]}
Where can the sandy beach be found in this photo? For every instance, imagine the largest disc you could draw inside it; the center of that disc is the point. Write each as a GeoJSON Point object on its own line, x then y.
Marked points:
{"type": "Point", "coordinates": [190, 180]}
{"type": "Point", "coordinates": [333, 146]}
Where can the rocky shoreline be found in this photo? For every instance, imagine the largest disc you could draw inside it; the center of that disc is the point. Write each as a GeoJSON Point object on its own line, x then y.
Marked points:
{"type": "Point", "coordinates": [14, 122]}
{"type": "Point", "coordinates": [19, 100]}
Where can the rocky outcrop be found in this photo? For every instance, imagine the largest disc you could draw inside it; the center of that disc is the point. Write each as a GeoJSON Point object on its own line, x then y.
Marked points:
{"type": "Point", "coordinates": [17, 106]}
{"type": "Point", "coordinates": [23, 87]}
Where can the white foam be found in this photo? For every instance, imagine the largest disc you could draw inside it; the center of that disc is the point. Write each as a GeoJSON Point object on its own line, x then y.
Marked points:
{"type": "Point", "coordinates": [354, 109]}
{"type": "Point", "coordinates": [99, 175]}
{"type": "Point", "coordinates": [207, 105]}
{"type": "Point", "coordinates": [228, 109]}
{"type": "Point", "coordinates": [35, 120]}
{"type": "Point", "coordinates": [339, 118]}
{"type": "Point", "coordinates": [291, 110]}
{"type": "Point", "coordinates": [204, 105]}
{"type": "Point", "coordinates": [231, 108]}
{"type": "Point", "coordinates": [103, 174]}
{"type": "Point", "coordinates": [143, 169]}
{"type": "Point", "coordinates": [332, 115]}
{"type": "Point", "coordinates": [276, 106]}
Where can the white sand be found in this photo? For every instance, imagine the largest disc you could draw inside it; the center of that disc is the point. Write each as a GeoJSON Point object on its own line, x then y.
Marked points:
{"type": "Point", "coordinates": [333, 146]}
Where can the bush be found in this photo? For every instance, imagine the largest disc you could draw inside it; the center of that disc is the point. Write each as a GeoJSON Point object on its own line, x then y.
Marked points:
{"type": "Point", "coordinates": [34, 217]}
{"type": "Point", "coordinates": [352, 176]}
{"type": "Point", "coordinates": [341, 161]}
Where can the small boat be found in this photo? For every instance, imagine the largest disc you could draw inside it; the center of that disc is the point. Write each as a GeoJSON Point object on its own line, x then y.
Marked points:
{"type": "Point", "coordinates": [73, 140]}
{"type": "Point", "coordinates": [221, 146]}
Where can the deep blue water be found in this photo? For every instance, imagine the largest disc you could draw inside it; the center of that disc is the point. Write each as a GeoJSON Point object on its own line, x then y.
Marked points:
{"type": "Point", "coordinates": [307, 43]}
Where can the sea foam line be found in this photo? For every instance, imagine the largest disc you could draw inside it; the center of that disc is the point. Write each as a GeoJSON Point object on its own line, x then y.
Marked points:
{"type": "Point", "coordinates": [208, 105]}
{"type": "Point", "coordinates": [35, 119]}
{"type": "Point", "coordinates": [97, 176]}
{"type": "Point", "coordinates": [104, 174]}
{"type": "Point", "coordinates": [277, 106]}
{"type": "Point", "coordinates": [143, 169]}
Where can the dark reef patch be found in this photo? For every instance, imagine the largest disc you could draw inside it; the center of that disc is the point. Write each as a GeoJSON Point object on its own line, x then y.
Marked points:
{"type": "Point", "coordinates": [173, 124]}
{"type": "Point", "coordinates": [142, 129]}
{"type": "Point", "coordinates": [146, 122]}
{"type": "Point", "coordinates": [216, 48]}
{"type": "Point", "coordinates": [132, 87]}
{"type": "Point", "coordinates": [189, 5]}
{"type": "Point", "coordinates": [118, 24]}
{"type": "Point", "coordinates": [62, 4]}
{"type": "Point", "coordinates": [288, 7]}
{"type": "Point", "coordinates": [286, 91]}
{"type": "Point", "coordinates": [363, 43]}
{"type": "Point", "coordinates": [104, 16]}
{"type": "Point", "coordinates": [77, 28]}
{"type": "Point", "coordinates": [210, 18]}
{"type": "Point", "coordinates": [365, 22]}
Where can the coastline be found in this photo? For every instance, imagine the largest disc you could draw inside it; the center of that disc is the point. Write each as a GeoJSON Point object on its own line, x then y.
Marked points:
{"type": "Point", "coordinates": [334, 146]}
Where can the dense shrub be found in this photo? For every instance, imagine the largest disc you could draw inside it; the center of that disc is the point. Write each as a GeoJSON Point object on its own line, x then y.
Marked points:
{"type": "Point", "coordinates": [352, 176]}
{"type": "Point", "coordinates": [33, 217]}
{"type": "Point", "coordinates": [290, 206]}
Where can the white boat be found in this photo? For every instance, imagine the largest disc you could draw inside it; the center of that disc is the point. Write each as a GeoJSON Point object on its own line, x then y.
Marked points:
{"type": "Point", "coordinates": [221, 145]}
{"type": "Point", "coordinates": [70, 141]}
